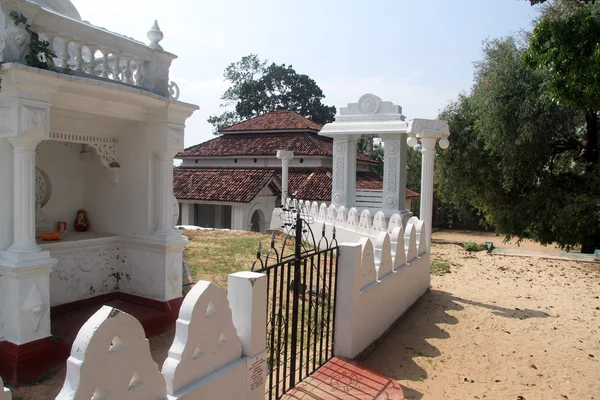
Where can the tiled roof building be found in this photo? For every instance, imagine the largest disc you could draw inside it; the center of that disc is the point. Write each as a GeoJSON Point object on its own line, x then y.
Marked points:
{"type": "Point", "coordinates": [234, 180]}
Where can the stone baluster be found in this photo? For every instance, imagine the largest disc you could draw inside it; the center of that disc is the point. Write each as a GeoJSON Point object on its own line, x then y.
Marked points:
{"type": "Point", "coordinates": [139, 76]}
{"type": "Point", "coordinates": [63, 55]}
{"type": "Point", "coordinates": [116, 71]}
{"type": "Point", "coordinates": [78, 56]}
{"type": "Point", "coordinates": [128, 74]}
{"type": "Point", "coordinates": [92, 64]}
{"type": "Point", "coordinates": [105, 66]}
{"type": "Point", "coordinates": [50, 36]}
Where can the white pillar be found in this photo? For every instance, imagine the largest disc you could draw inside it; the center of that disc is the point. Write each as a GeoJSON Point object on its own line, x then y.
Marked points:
{"type": "Point", "coordinates": [185, 214]}
{"type": "Point", "coordinates": [394, 180]}
{"type": "Point", "coordinates": [165, 193]}
{"type": "Point", "coordinates": [24, 267]}
{"type": "Point", "coordinates": [285, 157]}
{"type": "Point", "coordinates": [343, 187]}
{"type": "Point", "coordinates": [428, 132]}
{"type": "Point", "coordinates": [218, 216]}
{"type": "Point", "coordinates": [347, 301]}
{"type": "Point", "coordinates": [24, 195]}
{"type": "Point", "coordinates": [247, 296]}
{"type": "Point", "coordinates": [427, 167]}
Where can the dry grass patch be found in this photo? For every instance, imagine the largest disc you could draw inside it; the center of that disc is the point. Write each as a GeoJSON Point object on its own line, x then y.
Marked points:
{"type": "Point", "coordinates": [214, 254]}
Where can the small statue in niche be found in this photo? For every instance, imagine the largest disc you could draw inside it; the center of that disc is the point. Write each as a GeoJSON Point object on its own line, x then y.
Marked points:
{"type": "Point", "coordinates": [81, 222]}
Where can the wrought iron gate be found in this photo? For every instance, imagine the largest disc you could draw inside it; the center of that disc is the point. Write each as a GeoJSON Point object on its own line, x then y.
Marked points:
{"type": "Point", "coordinates": [301, 302]}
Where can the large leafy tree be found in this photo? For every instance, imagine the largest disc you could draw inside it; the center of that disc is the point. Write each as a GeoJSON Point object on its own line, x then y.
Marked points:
{"type": "Point", "coordinates": [257, 88]}
{"type": "Point", "coordinates": [566, 43]}
{"type": "Point", "coordinates": [515, 154]}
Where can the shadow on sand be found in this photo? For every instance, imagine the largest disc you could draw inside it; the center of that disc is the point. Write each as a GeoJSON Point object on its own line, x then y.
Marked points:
{"type": "Point", "coordinates": [407, 339]}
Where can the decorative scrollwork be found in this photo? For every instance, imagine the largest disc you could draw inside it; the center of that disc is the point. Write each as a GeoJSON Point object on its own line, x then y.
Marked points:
{"type": "Point", "coordinates": [174, 91]}
{"type": "Point", "coordinates": [369, 104]}
{"type": "Point", "coordinates": [42, 187]}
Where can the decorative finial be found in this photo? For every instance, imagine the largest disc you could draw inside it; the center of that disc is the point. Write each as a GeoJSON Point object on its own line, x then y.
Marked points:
{"type": "Point", "coordinates": [412, 141]}
{"type": "Point", "coordinates": [258, 250]}
{"type": "Point", "coordinates": [155, 35]}
{"type": "Point", "coordinates": [444, 143]}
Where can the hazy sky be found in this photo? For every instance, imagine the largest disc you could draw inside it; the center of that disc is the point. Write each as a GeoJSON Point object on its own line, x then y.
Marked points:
{"type": "Point", "coordinates": [418, 54]}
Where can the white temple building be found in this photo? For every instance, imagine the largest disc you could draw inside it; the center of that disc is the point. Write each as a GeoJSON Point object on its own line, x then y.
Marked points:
{"type": "Point", "coordinates": [94, 129]}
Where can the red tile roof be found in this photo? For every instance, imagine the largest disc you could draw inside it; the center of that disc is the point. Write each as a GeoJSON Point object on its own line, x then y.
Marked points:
{"type": "Point", "coordinates": [234, 185]}
{"type": "Point", "coordinates": [274, 121]}
{"type": "Point", "coordinates": [266, 144]}
{"type": "Point", "coordinates": [315, 183]}
{"type": "Point", "coordinates": [241, 185]}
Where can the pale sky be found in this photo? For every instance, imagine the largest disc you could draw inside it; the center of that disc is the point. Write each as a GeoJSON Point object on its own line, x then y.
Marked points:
{"type": "Point", "coordinates": [418, 54]}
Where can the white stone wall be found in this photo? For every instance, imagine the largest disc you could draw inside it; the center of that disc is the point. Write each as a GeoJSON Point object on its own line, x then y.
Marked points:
{"type": "Point", "coordinates": [218, 350]}
{"type": "Point", "coordinates": [382, 270]}
{"type": "Point", "coordinates": [105, 198]}
{"type": "Point", "coordinates": [66, 172]}
{"type": "Point", "coordinates": [378, 280]}
{"type": "Point", "coordinates": [350, 224]}
{"type": "Point", "coordinates": [150, 269]}
{"type": "Point", "coordinates": [84, 269]}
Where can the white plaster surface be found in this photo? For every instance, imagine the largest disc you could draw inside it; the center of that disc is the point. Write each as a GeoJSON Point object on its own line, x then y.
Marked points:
{"type": "Point", "coordinates": [350, 225]}
{"type": "Point", "coordinates": [110, 359]}
{"type": "Point", "coordinates": [6, 194]}
{"type": "Point", "coordinates": [85, 269]}
{"type": "Point", "coordinates": [66, 172]}
{"type": "Point", "coordinates": [205, 338]}
{"type": "Point", "coordinates": [372, 294]}
{"type": "Point", "coordinates": [48, 107]}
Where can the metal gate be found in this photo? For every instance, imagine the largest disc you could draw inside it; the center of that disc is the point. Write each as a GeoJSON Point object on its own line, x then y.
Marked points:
{"type": "Point", "coordinates": [301, 302]}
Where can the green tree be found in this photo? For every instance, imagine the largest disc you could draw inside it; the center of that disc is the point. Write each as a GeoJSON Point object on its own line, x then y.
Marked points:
{"type": "Point", "coordinates": [258, 88]}
{"type": "Point", "coordinates": [566, 43]}
{"type": "Point", "coordinates": [515, 154]}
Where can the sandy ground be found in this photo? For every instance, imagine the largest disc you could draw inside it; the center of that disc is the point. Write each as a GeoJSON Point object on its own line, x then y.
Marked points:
{"type": "Point", "coordinates": [498, 240]}
{"type": "Point", "coordinates": [496, 327]}
{"type": "Point", "coordinates": [499, 327]}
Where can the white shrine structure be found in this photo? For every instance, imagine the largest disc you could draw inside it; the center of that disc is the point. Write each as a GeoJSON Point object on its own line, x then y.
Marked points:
{"type": "Point", "coordinates": [362, 210]}
{"type": "Point", "coordinates": [96, 129]}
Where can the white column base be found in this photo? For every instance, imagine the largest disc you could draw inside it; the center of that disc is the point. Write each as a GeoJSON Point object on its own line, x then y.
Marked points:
{"type": "Point", "coordinates": [25, 288]}
{"type": "Point", "coordinates": [23, 249]}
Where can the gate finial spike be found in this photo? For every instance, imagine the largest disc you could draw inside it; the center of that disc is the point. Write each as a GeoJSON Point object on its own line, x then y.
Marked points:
{"type": "Point", "coordinates": [258, 249]}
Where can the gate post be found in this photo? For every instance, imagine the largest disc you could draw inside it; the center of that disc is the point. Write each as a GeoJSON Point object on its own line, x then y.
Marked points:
{"type": "Point", "coordinates": [346, 303]}
{"type": "Point", "coordinates": [247, 296]}
{"type": "Point", "coordinates": [296, 294]}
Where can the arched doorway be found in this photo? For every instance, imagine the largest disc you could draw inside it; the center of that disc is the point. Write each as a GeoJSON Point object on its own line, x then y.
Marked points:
{"type": "Point", "coordinates": [255, 221]}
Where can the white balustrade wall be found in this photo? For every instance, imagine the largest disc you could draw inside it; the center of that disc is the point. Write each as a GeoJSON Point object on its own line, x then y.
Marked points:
{"type": "Point", "coordinates": [378, 280]}
{"type": "Point", "coordinates": [350, 225]}
{"type": "Point", "coordinates": [218, 351]}
{"type": "Point", "coordinates": [383, 269]}
{"type": "Point", "coordinates": [89, 50]}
